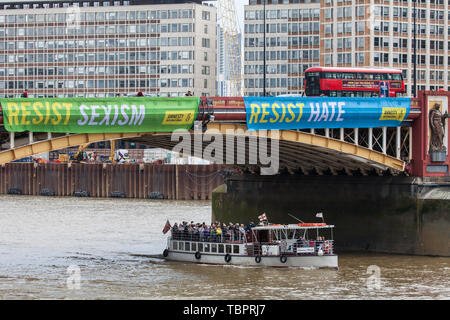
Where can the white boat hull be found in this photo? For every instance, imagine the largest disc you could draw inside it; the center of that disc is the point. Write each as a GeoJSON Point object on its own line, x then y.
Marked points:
{"type": "Point", "coordinates": [325, 261]}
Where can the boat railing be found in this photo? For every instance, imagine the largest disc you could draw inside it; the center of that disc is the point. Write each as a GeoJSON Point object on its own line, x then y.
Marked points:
{"type": "Point", "coordinates": [234, 237]}
{"type": "Point", "coordinates": [298, 248]}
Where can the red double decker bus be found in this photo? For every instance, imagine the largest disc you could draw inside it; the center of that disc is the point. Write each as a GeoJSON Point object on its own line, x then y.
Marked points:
{"type": "Point", "coordinates": [353, 82]}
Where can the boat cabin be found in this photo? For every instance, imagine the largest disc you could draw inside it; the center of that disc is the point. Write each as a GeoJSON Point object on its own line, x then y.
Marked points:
{"type": "Point", "coordinates": [292, 239]}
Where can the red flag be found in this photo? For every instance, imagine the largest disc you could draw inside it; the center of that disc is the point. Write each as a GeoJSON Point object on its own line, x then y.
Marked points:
{"type": "Point", "coordinates": [166, 227]}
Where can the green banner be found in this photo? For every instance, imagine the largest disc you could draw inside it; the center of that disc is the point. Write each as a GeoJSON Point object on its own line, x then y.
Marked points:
{"type": "Point", "coordinates": [95, 115]}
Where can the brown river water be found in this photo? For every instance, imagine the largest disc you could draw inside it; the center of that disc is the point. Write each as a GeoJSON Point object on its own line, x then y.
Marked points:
{"type": "Point", "coordinates": [81, 248]}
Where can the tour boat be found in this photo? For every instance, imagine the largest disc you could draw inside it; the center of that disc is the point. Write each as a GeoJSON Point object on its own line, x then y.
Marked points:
{"type": "Point", "coordinates": [302, 245]}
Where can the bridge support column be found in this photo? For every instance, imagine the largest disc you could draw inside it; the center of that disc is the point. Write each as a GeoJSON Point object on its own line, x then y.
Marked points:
{"type": "Point", "coordinates": [398, 143]}
{"type": "Point", "coordinates": [12, 143]}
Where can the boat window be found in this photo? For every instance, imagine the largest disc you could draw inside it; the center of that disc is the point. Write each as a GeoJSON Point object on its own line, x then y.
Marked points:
{"type": "Point", "coordinates": [194, 246]}
{"type": "Point", "coordinates": [206, 247]}
{"type": "Point", "coordinates": [180, 245]}
{"type": "Point", "coordinates": [228, 248]}
{"type": "Point", "coordinates": [187, 246]}
{"type": "Point", "coordinates": [214, 248]}
{"type": "Point", "coordinates": [220, 248]}
{"type": "Point", "coordinates": [200, 247]}
{"type": "Point", "coordinates": [174, 245]}
{"type": "Point", "coordinates": [236, 249]}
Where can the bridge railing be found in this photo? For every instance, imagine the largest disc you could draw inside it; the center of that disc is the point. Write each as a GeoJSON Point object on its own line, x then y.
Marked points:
{"type": "Point", "coordinates": [395, 142]}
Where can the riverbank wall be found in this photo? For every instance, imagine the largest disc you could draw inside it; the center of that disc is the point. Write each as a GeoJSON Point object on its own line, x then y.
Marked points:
{"type": "Point", "coordinates": [173, 182]}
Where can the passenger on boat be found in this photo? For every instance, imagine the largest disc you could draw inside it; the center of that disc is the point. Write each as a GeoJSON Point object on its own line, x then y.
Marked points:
{"type": "Point", "coordinates": [201, 228]}
{"type": "Point", "coordinates": [242, 229]}
{"type": "Point", "coordinates": [218, 233]}
{"type": "Point", "coordinates": [212, 233]}
{"type": "Point", "coordinates": [206, 233]}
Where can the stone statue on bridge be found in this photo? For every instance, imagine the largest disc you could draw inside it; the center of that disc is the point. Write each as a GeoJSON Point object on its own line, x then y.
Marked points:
{"type": "Point", "coordinates": [437, 126]}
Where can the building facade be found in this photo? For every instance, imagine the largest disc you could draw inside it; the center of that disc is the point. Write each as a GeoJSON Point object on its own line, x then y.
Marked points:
{"type": "Point", "coordinates": [380, 33]}
{"type": "Point", "coordinates": [292, 45]}
{"type": "Point", "coordinates": [228, 66]}
{"type": "Point", "coordinates": [105, 48]}
{"type": "Point", "coordinates": [351, 33]}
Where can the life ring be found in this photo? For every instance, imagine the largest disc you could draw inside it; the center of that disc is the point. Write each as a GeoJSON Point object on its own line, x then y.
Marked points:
{"type": "Point", "coordinates": [227, 257]}
{"type": "Point", "coordinates": [198, 255]}
{"type": "Point", "coordinates": [258, 259]}
{"type": "Point", "coordinates": [165, 253]}
{"type": "Point", "coordinates": [283, 259]}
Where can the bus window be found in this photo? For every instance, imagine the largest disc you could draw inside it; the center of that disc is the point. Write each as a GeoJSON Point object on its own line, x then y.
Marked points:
{"type": "Point", "coordinates": [348, 75]}
{"type": "Point", "coordinates": [397, 76]}
{"type": "Point", "coordinates": [387, 76]}
{"type": "Point", "coordinates": [360, 75]}
{"type": "Point", "coordinates": [331, 75]}
{"type": "Point", "coordinates": [368, 76]}
{"type": "Point", "coordinates": [378, 76]}
{"type": "Point", "coordinates": [312, 84]}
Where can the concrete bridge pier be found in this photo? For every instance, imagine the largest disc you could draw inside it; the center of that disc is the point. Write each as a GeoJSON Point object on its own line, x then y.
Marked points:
{"type": "Point", "coordinates": [385, 214]}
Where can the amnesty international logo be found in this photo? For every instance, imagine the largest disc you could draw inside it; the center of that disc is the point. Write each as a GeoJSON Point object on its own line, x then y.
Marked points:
{"type": "Point", "coordinates": [178, 117]}
{"type": "Point", "coordinates": [396, 114]}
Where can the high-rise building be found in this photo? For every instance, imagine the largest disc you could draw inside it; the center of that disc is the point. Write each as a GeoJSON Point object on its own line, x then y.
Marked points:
{"type": "Point", "coordinates": [346, 33]}
{"type": "Point", "coordinates": [225, 80]}
{"type": "Point", "coordinates": [381, 34]}
{"type": "Point", "coordinates": [103, 48]}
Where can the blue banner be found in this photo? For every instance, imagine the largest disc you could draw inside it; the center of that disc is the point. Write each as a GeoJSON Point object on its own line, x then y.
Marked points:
{"type": "Point", "coordinates": [324, 112]}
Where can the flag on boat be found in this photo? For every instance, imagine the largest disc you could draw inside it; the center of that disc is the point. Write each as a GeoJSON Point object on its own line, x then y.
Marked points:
{"type": "Point", "coordinates": [262, 217]}
{"type": "Point", "coordinates": [166, 227]}
{"type": "Point", "coordinates": [319, 215]}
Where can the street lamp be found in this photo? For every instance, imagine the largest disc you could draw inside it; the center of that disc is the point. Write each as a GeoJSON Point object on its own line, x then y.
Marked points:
{"type": "Point", "coordinates": [415, 51]}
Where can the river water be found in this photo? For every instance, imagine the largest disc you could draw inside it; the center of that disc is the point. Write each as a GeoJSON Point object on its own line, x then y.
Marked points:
{"type": "Point", "coordinates": [78, 248]}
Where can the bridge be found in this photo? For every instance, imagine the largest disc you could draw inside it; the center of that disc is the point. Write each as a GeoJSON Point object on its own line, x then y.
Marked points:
{"type": "Point", "coordinates": [349, 151]}
{"type": "Point", "coordinates": [386, 188]}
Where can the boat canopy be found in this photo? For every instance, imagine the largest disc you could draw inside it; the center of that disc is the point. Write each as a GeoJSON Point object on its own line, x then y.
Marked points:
{"type": "Point", "coordinates": [293, 226]}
